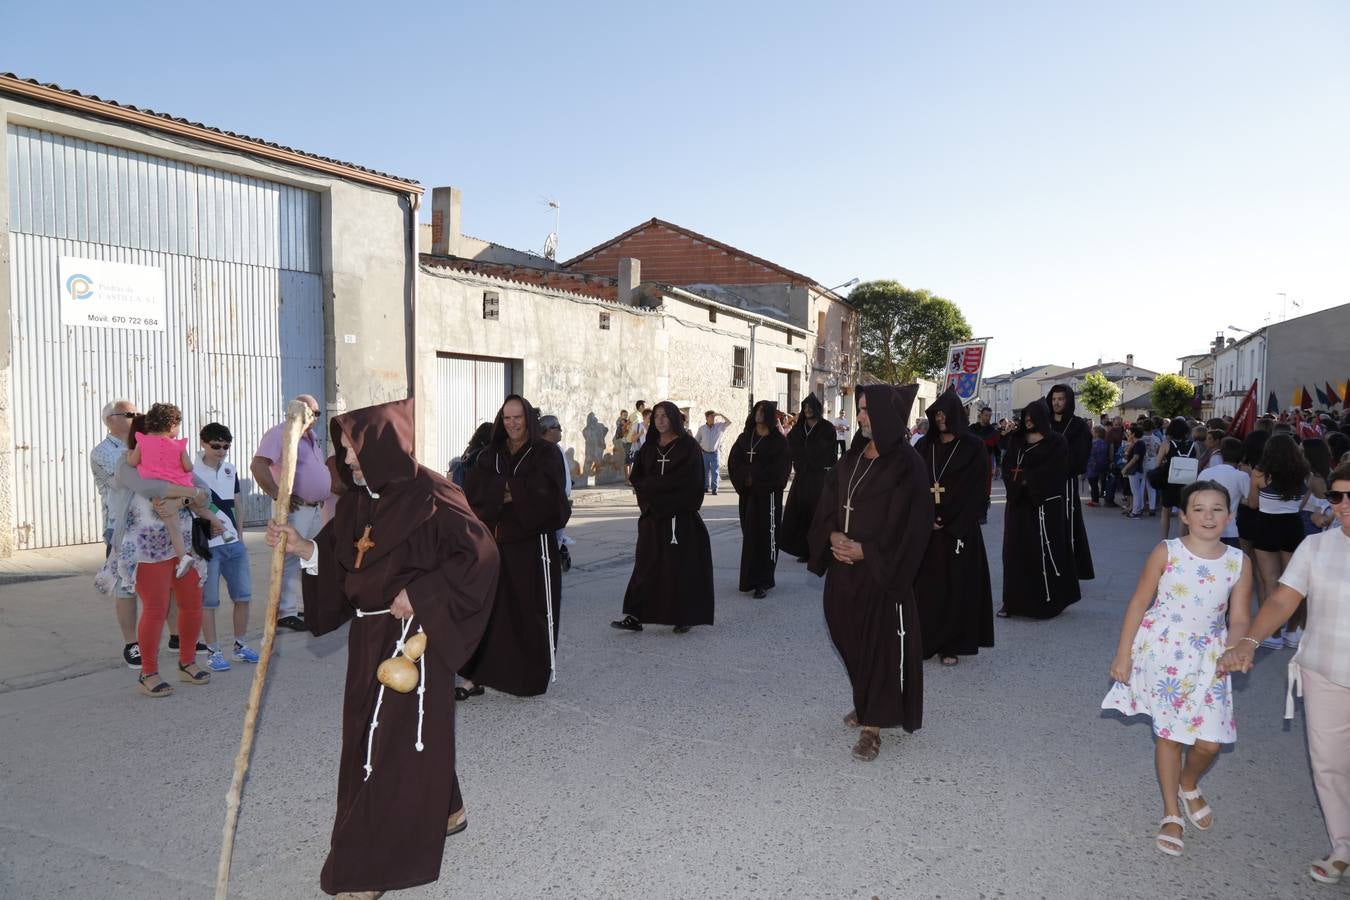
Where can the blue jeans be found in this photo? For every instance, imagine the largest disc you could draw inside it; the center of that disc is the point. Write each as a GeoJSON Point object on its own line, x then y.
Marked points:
{"type": "Point", "coordinates": [230, 560]}
{"type": "Point", "coordinates": [710, 471]}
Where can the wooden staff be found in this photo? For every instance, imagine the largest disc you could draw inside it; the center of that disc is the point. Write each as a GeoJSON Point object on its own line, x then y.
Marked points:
{"type": "Point", "coordinates": [298, 418]}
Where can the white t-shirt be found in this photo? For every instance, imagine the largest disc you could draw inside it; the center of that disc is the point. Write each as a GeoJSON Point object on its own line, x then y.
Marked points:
{"type": "Point", "coordinates": [841, 428]}
{"type": "Point", "coordinates": [1320, 571]}
{"type": "Point", "coordinates": [709, 436]}
{"type": "Point", "coordinates": [1237, 483]}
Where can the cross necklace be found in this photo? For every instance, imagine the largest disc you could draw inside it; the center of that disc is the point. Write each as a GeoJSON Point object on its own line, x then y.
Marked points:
{"type": "Point", "coordinates": [364, 542]}
{"type": "Point", "coordinates": [848, 497]}
{"type": "Point", "coordinates": [664, 457]}
{"type": "Point", "coordinates": [937, 490]}
{"type": "Point", "coordinates": [1017, 467]}
{"type": "Point", "coordinates": [753, 444]}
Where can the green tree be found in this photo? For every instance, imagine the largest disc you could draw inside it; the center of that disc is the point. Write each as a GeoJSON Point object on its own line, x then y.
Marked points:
{"type": "Point", "coordinates": [1171, 395]}
{"type": "Point", "coordinates": [1098, 393]}
{"type": "Point", "coordinates": [904, 333]}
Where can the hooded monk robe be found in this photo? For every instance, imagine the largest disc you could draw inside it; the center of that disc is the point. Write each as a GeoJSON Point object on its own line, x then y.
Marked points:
{"type": "Point", "coordinates": [814, 450]}
{"type": "Point", "coordinates": [869, 606]}
{"type": "Point", "coordinates": [389, 832]}
{"type": "Point", "coordinates": [758, 467]}
{"type": "Point", "coordinates": [514, 654]}
{"type": "Point", "coordinates": [956, 602]}
{"type": "Point", "coordinates": [1077, 434]}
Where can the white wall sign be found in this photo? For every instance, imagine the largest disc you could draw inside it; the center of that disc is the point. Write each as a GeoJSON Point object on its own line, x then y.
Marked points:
{"type": "Point", "coordinates": [100, 294]}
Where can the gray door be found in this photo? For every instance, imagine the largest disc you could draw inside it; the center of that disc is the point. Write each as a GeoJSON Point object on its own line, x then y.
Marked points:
{"type": "Point", "coordinates": [243, 330]}
{"type": "Point", "coordinates": [468, 393]}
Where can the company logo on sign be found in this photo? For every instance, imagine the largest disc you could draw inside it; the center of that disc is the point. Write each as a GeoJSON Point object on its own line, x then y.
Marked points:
{"type": "Point", "coordinates": [80, 287]}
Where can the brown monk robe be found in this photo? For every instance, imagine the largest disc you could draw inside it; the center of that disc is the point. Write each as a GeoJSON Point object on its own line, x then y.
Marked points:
{"type": "Point", "coordinates": [427, 555]}
{"type": "Point", "coordinates": [516, 488]}
{"type": "Point", "coordinates": [868, 538]}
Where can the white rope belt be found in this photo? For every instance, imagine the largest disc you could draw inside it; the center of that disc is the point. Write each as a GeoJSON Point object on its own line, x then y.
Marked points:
{"type": "Point", "coordinates": [672, 530]}
{"type": "Point", "coordinates": [899, 611]}
{"type": "Point", "coordinates": [548, 607]}
{"type": "Point", "coordinates": [1046, 552]}
{"type": "Point", "coordinates": [773, 538]}
{"type": "Point", "coordinates": [361, 613]}
{"type": "Point", "coordinates": [1293, 683]}
{"type": "Point", "coordinates": [379, 698]}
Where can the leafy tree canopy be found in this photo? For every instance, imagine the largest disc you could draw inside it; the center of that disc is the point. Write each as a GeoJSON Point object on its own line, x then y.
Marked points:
{"type": "Point", "coordinates": [1171, 395]}
{"type": "Point", "coordinates": [904, 332]}
{"type": "Point", "coordinates": [1097, 393]}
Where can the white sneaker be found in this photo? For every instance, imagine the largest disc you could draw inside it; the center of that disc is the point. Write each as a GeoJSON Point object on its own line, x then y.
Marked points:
{"type": "Point", "coordinates": [184, 563]}
{"type": "Point", "coordinates": [1274, 642]}
{"type": "Point", "coordinates": [1291, 638]}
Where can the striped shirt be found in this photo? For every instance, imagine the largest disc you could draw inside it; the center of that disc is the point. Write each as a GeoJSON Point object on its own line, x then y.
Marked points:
{"type": "Point", "coordinates": [1320, 571]}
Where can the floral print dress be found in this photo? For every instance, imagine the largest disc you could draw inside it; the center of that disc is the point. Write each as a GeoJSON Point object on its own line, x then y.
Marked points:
{"type": "Point", "coordinates": [1176, 651]}
{"type": "Point", "coordinates": [144, 538]}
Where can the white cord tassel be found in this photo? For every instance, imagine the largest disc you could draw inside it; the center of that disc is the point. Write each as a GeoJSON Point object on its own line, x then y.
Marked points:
{"type": "Point", "coordinates": [672, 530]}
{"type": "Point", "coordinates": [959, 544]}
{"type": "Point", "coordinates": [1046, 551]}
{"type": "Point", "coordinates": [773, 537]}
{"type": "Point", "coordinates": [548, 607]}
{"type": "Point", "coordinates": [421, 692]}
{"type": "Point", "coordinates": [379, 701]}
{"type": "Point", "coordinates": [900, 611]}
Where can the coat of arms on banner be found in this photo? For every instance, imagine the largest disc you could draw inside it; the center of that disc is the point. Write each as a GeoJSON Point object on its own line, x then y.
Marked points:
{"type": "Point", "coordinates": [965, 363]}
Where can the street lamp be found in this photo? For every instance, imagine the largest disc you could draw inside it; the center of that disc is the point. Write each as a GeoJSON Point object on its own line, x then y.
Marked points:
{"type": "Point", "coordinates": [1243, 330]}
{"type": "Point", "coordinates": [850, 283]}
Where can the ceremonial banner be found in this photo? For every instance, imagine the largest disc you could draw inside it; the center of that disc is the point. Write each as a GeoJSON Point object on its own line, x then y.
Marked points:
{"type": "Point", "coordinates": [965, 365]}
{"type": "Point", "coordinates": [1245, 420]}
{"type": "Point", "coordinates": [101, 294]}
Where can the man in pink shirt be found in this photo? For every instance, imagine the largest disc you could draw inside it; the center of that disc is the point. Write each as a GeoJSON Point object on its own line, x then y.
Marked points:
{"type": "Point", "coordinates": [313, 486]}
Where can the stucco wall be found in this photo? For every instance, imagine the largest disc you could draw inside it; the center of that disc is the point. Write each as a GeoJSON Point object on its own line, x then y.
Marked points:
{"type": "Point", "coordinates": [1308, 351]}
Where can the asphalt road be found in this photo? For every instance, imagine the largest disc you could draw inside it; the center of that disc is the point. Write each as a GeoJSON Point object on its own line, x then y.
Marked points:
{"type": "Point", "coordinates": [712, 764]}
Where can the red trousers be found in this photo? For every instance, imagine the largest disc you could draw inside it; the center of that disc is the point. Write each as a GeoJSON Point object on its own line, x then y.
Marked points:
{"type": "Point", "coordinates": [154, 584]}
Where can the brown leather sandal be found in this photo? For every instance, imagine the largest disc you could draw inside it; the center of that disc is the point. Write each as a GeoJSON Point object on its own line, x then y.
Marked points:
{"type": "Point", "coordinates": [457, 823]}
{"type": "Point", "coordinates": [198, 677]}
{"type": "Point", "coordinates": [868, 746]}
{"type": "Point", "coordinates": [851, 720]}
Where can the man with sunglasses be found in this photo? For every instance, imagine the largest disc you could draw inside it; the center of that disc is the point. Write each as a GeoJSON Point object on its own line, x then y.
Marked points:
{"type": "Point", "coordinates": [1320, 573]}
{"type": "Point", "coordinates": [103, 459]}
{"type": "Point", "coordinates": [229, 557]}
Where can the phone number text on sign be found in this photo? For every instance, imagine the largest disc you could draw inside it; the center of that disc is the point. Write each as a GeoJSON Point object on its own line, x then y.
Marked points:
{"type": "Point", "coordinates": [100, 294]}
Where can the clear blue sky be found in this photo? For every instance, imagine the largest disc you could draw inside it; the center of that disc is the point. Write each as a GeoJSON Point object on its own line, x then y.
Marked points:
{"type": "Point", "coordinates": [1083, 179]}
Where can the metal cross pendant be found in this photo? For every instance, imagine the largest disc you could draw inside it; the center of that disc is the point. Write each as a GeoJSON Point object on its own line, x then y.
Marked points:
{"type": "Point", "coordinates": [362, 545]}
{"type": "Point", "coordinates": [662, 463]}
{"type": "Point", "coordinates": [751, 453]}
{"type": "Point", "coordinates": [848, 513]}
{"type": "Point", "coordinates": [937, 490]}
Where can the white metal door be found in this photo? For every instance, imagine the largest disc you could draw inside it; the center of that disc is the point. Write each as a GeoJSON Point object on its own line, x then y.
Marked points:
{"type": "Point", "coordinates": [468, 393]}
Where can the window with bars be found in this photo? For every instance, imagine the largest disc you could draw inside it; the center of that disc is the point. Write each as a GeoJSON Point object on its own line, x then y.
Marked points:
{"type": "Point", "coordinates": [604, 321]}
{"type": "Point", "coordinates": [738, 363]}
{"type": "Point", "coordinates": [491, 305]}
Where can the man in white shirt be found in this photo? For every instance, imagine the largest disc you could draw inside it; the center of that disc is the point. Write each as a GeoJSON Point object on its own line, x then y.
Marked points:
{"type": "Point", "coordinates": [1320, 572]}
{"type": "Point", "coordinates": [103, 460]}
{"type": "Point", "coordinates": [708, 436]}
{"type": "Point", "coordinates": [841, 432]}
{"type": "Point", "coordinates": [920, 429]}
{"type": "Point", "coordinates": [1235, 481]}
{"type": "Point", "coordinates": [551, 430]}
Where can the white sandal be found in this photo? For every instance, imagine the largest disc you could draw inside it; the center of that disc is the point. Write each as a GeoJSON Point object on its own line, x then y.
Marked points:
{"type": "Point", "coordinates": [1197, 815]}
{"type": "Point", "coordinates": [1177, 843]}
{"type": "Point", "coordinates": [1329, 874]}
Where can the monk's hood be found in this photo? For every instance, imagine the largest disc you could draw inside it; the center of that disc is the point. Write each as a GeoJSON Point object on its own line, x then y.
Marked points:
{"type": "Point", "coordinates": [382, 437]}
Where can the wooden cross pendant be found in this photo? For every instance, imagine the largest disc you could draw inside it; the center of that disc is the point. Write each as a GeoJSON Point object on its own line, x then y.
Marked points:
{"type": "Point", "coordinates": [1016, 471]}
{"type": "Point", "coordinates": [362, 545]}
{"type": "Point", "coordinates": [937, 490]}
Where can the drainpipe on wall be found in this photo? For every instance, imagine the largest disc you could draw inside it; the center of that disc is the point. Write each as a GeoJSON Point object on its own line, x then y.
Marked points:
{"type": "Point", "coordinates": [750, 375]}
{"type": "Point", "coordinates": [414, 261]}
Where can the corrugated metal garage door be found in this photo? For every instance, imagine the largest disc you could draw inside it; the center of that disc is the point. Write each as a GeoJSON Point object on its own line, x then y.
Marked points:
{"type": "Point", "coordinates": [244, 331]}
{"type": "Point", "coordinates": [468, 393]}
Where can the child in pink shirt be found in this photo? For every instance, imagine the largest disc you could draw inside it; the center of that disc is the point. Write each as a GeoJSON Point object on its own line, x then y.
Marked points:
{"type": "Point", "coordinates": [160, 453]}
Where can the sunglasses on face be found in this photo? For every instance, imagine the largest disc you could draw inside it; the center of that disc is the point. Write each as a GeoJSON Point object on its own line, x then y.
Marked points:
{"type": "Point", "coordinates": [1335, 497]}
{"type": "Point", "coordinates": [218, 446]}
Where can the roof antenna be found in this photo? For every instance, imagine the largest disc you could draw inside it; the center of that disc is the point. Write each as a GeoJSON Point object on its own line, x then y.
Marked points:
{"type": "Point", "coordinates": [551, 242]}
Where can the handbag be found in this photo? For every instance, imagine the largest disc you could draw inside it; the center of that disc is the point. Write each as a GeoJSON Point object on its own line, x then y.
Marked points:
{"type": "Point", "coordinates": [201, 538]}
{"type": "Point", "coordinates": [1183, 469]}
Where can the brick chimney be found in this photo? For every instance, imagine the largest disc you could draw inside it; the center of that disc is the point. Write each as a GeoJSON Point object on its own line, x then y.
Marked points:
{"type": "Point", "coordinates": [445, 220]}
{"type": "Point", "coordinates": [630, 276]}
{"type": "Point", "coordinates": [1129, 360]}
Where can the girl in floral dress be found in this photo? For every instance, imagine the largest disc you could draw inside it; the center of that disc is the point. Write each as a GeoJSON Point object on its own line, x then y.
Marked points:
{"type": "Point", "coordinates": [1166, 666]}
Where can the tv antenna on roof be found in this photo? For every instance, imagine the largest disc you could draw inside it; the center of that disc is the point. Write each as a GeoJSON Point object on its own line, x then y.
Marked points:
{"type": "Point", "coordinates": [551, 242]}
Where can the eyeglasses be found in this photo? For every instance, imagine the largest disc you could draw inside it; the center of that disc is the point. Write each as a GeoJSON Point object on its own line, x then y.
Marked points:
{"type": "Point", "coordinates": [217, 446]}
{"type": "Point", "coordinates": [1335, 497]}
{"type": "Point", "coordinates": [124, 415]}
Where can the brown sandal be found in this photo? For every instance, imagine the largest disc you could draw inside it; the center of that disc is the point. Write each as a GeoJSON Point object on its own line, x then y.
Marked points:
{"type": "Point", "coordinates": [160, 688]}
{"type": "Point", "coordinates": [868, 746]}
{"type": "Point", "coordinates": [457, 823]}
{"type": "Point", "coordinates": [198, 677]}
{"type": "Point", "coordinates": [851, 720]}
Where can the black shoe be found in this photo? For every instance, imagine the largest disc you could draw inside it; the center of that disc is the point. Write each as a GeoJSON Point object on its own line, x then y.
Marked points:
{"type": "Point", "coordinates": [803, 559]}
{"type": "Point", "coordinates": [760, 593]}
{"type": "Point", "coordinates": [131, 654]}
{"type": "Point", "coordinates": [173, 642]}
{"type": "Point", "coordinates": [173, 645]}
{"type": "Point", "coordinates": [627, 623]}
{"type": "Point", "coordinates": [682, 629]}
{"type": "Point", "coordinates": [565, 556]}
{"type": "Point", "coordinates": [462, 694]}
{"type": "Point", "coordinates": [294, 623]}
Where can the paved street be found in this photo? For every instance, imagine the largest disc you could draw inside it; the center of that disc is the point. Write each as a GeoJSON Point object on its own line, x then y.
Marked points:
{"type": "Point", "coordinates": [706, 765]}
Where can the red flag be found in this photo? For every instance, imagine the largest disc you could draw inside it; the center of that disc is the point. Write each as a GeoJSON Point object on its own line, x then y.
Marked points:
{"type": "Point", "coordinates": [1332, 397]}
{"type": "Point", "coordinates": [1306, 402]}
{"type": "Point", "coordinates": [1245, 420]}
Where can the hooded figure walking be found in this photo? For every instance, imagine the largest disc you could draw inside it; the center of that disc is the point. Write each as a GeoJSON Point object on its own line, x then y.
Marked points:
{"type": "Point", "coordinates": [403, 554]}
{"type": "Point", "coordinates": [956, 602]}
{"type": "Point", "coordinates": [1038, 567]}
{"type": "Point", "coordinates": [814, 450]}
{"type": "Point", "coordinates": [868, 538]}
{"type": "Point", "coordinates": [758, 467]}
{"type": "Point", "coordinates": [516, 487]}
{"type": "Point", "coordinates": [1077, 434]}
